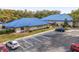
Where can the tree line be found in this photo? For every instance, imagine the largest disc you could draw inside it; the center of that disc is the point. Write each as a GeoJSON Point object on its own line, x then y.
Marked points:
{"type": "Point", "coordinates": [7, 15]}
{"type": "Point", "coordinates": [75, 16]}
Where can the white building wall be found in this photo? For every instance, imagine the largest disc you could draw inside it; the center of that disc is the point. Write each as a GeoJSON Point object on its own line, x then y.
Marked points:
{"type": "Point", "coordinates": [59, 23]}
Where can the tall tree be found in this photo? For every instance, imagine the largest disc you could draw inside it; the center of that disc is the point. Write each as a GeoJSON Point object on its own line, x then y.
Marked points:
{"type": "Point", "coordinates": [7, 15]}
{"type": "Point", "coordinates": [75, 15]}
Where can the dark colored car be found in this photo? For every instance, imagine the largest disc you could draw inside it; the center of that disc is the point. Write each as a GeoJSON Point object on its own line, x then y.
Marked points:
{"type": "Point", "coordinates": [75, 47]}
{"type": "Point", "coordinates": [60, 29]}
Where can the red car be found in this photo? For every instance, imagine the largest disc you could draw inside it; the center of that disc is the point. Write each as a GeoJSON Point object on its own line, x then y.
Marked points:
{"type": "Point", "coordinates": [75, 47]}
{"type": "Point", "coordinates": [3, 48]}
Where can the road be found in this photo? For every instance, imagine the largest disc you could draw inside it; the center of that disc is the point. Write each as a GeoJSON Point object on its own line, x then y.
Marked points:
{"type": "Point", "coordinates": [49, 42]}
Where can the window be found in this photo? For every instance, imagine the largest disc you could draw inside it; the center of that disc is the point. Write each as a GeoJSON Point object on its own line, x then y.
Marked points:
{"type": "Point", "coordinates": [22, 28]}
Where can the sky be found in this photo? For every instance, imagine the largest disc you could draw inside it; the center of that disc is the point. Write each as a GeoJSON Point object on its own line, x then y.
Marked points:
{"type": "Point", "coordinates": [62, 9]}
{"type": "Point", "coordinates": [65, 6]}
{"type": "Point", "coordinates": [39, 3]}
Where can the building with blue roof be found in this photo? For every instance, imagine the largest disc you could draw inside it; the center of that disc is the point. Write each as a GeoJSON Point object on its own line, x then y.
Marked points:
{"type": "Point", "coordinates": [35, 23]}
{"type": "Point", "coordinates": [58, 18]}
{"type": "Point", "coordinates": [25, 22]}
{"type": "Point", "coordinates": [22, 23]}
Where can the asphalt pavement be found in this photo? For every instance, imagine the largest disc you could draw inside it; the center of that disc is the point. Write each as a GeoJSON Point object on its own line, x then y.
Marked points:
{"type": "Point", "coordinates": [49, 42]}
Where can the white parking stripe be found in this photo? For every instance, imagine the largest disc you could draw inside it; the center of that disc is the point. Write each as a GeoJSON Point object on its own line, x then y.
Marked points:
{"type": "Point", "coordinates": [37, 39]}
{"type": "Point", "coordinates": [46, 37]}
{"type": "Point", "coordinates": [27, 42]}
{"type": "Point", "coordinates": [22, 48]}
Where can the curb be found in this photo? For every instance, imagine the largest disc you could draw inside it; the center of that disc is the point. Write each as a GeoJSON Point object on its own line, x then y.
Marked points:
{"type": "Point", "coordinates": [30, 35]}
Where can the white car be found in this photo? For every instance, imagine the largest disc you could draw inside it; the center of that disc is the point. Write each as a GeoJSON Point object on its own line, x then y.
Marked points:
{"type": "Point", "coordinates": [12, 44]}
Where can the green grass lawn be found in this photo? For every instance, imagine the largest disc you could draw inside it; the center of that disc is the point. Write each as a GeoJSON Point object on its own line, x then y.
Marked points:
{"type": "Point", "coordinates": [12, 36]}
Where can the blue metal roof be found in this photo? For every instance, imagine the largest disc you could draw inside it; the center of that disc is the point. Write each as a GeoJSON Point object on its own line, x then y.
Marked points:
{"type": "Point", "coordinates": [58, 17]}
{"type": "Point", "coordinates": [24, 22]}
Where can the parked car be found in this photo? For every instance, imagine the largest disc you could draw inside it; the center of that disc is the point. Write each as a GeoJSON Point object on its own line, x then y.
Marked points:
{"type": "Point", "coordinates": [3, 48]}
{"type": "Point", "coordinates": [60, 29]}
{"type": "Point", "coordinates": [12, 45]}
{"type": "Point", "coordinates": [75, 47]}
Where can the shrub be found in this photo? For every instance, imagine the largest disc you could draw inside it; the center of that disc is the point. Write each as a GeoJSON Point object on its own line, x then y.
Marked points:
{"type": "Point", "coordinates": [6, 31]}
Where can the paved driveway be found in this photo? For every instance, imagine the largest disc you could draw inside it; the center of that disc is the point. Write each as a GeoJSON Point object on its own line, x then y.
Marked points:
{"type": "Point", "coordinates": [49, 42]}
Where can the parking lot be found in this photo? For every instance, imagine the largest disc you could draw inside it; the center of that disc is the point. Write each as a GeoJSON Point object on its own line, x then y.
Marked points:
{"type": "Point", "coordinates": [49, 42]}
